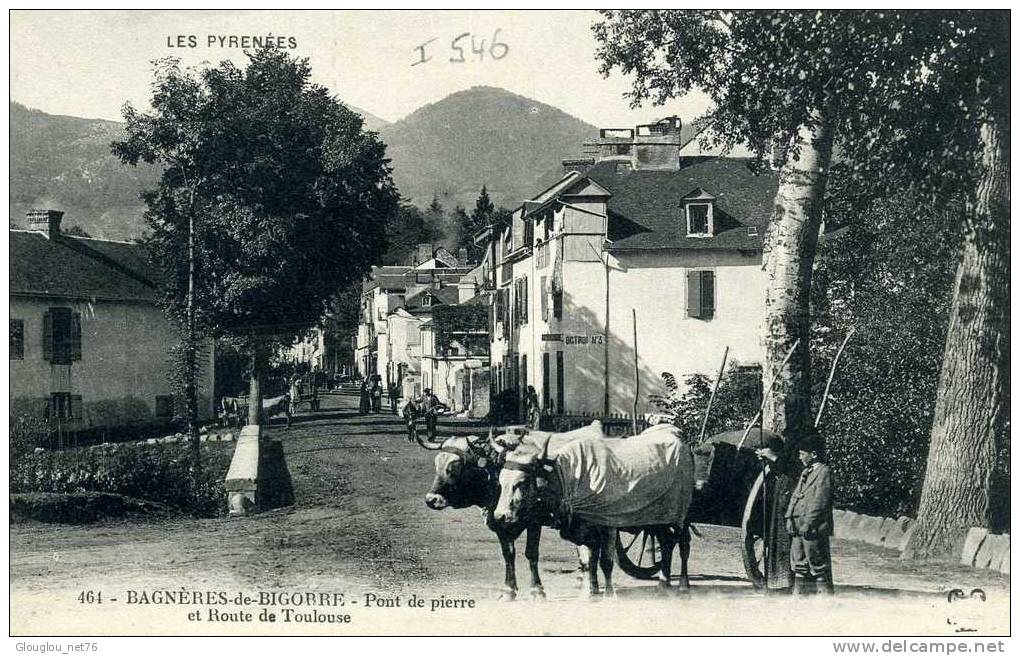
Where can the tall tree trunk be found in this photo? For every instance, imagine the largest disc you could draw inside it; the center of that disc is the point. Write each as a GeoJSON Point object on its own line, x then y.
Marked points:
{"type": "Point", "coordinates": [973, 386]}
{"type": "Point", "coordinates": [255, 390]}
{"type": "Point", "coordinates": [789, 256]}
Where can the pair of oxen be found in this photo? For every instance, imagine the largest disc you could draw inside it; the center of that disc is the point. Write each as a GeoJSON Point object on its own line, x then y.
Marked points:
{"type": "Point", "coordinates": [512, 478]}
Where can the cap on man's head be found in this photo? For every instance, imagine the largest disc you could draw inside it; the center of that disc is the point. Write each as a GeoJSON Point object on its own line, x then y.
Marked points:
{"type": "Point", "coordinates": [810, 442]}
{"type": "Point", "coordinates": [802, 438]}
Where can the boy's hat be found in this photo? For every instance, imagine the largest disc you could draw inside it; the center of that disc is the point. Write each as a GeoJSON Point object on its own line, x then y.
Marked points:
{"type": "Point", "coordinates": [810, 442]}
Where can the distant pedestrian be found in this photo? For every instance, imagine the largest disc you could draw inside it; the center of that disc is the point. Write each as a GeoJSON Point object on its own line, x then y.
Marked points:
{"type": "Point", "coordinates": [365, 404]}
{"type": "Point", "coordinates": [533, 408]}
{"type": "Point", "coordinates": [430, 408]}
{"type": "Point", "coordinates": [376, 394]}
{"type": "Point", "coordinates": [394, 397]}
{"type": "Point", "coordinates": [410, 411]}
{"type": "Point", "coordinates": [809, 518]}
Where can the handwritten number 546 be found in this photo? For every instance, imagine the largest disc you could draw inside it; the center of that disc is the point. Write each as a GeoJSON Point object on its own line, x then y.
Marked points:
{"type": "Point", "coordinates": [467, 45]}
{"type": "Point", "coordinates": [497, 49]}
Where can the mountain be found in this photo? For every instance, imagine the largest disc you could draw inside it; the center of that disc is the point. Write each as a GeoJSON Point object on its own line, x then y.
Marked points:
{"type": "Point", "coordinates": [450, 148]}
{"type": "Point", "coordinates": [482, 135]}
{"type": "Point", "coordinates": [372, 122]}
{"type": "Point", "coordinates": [64, 162]}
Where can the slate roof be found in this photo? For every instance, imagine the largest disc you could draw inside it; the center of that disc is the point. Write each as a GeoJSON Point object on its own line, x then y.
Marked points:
{"type": "Point", "coordinates": [79, 268]}
{"type": "Point", "coordinates": [646, 210]}
{"type": "Point", "coordinates": [442, 296]}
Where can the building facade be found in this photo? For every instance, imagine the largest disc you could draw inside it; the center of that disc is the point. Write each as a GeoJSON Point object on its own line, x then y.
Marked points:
{"type": "Point", "coordinates": [639, 261]}
{"type": "Point", "coordinates": [88, 345]}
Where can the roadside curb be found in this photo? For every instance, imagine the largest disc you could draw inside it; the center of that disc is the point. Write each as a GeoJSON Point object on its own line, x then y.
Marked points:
{"type": "Point", "coordinates": [980, 548]}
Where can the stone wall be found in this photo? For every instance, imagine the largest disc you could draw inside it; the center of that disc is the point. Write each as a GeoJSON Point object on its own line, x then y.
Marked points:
{"type": "Point", "coordinates": [979, 549]}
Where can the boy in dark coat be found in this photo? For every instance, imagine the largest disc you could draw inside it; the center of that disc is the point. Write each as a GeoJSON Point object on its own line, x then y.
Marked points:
{"type": "Point", "coordinates": [809, 518]}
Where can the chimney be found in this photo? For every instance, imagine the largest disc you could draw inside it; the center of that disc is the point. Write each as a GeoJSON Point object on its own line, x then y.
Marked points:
{"type": "Point", "coordinates": [45, 221]}
{"type": "Point", "coordinates": [462, 255]}
{"type": "Point", "coordinates": [424, 253]}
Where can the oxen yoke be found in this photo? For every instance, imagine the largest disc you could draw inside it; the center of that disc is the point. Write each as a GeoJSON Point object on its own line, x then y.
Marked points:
{"type": "Point", "coordinates": [645, 480]}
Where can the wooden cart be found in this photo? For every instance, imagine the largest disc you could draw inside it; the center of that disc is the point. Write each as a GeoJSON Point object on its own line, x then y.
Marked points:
{"type": "Point", "coordinates": [728, 492]}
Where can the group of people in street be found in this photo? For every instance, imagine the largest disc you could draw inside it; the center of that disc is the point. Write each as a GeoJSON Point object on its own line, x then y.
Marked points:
{"type": "Point", "coordinates": [371, 394]}
{"type": "Point", "coordinates": [427, 406]}
{"type": "Point", "coordinates": [798, 511]}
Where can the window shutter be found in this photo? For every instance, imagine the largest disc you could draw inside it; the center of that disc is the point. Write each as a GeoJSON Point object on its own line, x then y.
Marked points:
{"type": "Point", "coordinates": [76, 407]}
{"type": "Point", "coordinates": [694, 294]}
{"type": "Point", "coordinates": [76, 336]}
{"type": "Point", "coordinates": [526, 306]}
{"type": "Point", "coordinates": [545, 298]}
{"type": "Point", "coordinates": [47, 337]}
{"type": "Point", "coordinates": [707, 294]}
{"type": "Point", "coordinates": [558, 304]}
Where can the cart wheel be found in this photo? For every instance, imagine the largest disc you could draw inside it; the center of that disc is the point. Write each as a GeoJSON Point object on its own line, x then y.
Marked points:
{"type": "Point", "coordinates": [752, 531]}
{"type": "Point", "coordinates": [639, 553]}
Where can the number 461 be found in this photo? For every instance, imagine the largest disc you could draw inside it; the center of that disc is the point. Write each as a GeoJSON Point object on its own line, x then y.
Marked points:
{"type": "Point", "coordinates": [497, 49]}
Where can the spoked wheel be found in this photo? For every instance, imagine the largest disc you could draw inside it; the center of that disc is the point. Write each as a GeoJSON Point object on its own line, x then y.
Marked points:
{"type": "Point", "coordinates": [639, 553]}
{"type": "Point", "coordinates": [752, 530]}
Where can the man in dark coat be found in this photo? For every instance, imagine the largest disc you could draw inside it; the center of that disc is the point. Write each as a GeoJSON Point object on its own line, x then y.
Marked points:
{"type": "Point", "coordinates": [365, 405]}
{"type": "Point", "coordinates": [376, 392]}
{"type": "Point", "coordinates": [430, 408]}
{"type": "Point", "coordinates": [781, 471]}
{"type": "Point", "coordinates": [394, 394]}
{"type": "Point", "coordinates": [809, 518]}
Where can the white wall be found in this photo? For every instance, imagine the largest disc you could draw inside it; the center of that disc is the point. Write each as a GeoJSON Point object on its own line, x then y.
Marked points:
{"type": "Point", "coordinates": [654, 285]}
{"type": "Point", "coordinates": [125, 362]}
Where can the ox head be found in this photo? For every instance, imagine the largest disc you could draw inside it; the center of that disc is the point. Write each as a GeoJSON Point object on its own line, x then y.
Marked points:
{"type": "Point", "coordinates": [521, 479]}
{"type": "Point", "coordinates": [464, 474]}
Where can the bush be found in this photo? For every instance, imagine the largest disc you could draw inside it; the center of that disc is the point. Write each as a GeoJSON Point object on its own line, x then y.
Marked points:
{"type": "Point", "coordinates": [159, 473]}
{"type": "Point", "coordinates": [736, 401]}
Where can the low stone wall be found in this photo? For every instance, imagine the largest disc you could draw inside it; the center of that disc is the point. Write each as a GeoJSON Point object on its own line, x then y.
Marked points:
{"type": "Point", "coordinates": [980, 548]}
{"type": "Point", "coordinates": [258, 478]}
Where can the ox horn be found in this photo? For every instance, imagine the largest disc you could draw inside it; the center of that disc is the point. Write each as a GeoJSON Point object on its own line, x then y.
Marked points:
{"type": "Point", "coordinates": [428, 446]}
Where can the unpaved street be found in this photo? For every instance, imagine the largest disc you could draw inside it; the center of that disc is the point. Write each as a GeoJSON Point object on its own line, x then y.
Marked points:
{"type": "Point", "coordinates": [359, 525]}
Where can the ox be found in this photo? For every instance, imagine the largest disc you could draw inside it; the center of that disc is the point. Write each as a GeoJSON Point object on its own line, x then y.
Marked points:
{"type": "Point", "coordinates": [593, 486]}
{"type": "Point", "coordinates": [467, 474]}
{"type": "Point", "coordinates": [234, 409]}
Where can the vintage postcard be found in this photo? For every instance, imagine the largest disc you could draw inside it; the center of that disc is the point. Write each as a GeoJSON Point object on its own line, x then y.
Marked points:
{"type": "Point", "coordinates": [508, 323]}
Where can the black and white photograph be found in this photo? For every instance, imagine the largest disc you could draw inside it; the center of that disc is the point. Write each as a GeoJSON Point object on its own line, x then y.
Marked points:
{"type": "Point", "coordinates": [584, 322]}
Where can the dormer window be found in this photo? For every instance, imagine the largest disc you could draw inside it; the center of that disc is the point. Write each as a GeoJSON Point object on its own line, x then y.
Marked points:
{"type": "Point", "coordinates": [426, 301]}
{"type": "Point", "coordinates": [699, 219]}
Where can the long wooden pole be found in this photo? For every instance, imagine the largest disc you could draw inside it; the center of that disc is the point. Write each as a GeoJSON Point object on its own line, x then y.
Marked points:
{"type": "Point", "coordinates": [711, 398]}
{"type": "Point", "coordinates": [637, 378]}
{"type": "Point", "coordinates": [768, 391]}
{"type": "Point", "coordinates": [832, 372]}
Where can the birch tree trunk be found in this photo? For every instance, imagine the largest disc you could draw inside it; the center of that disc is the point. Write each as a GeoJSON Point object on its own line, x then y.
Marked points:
{"type": "Point", "coordinates": [972, 399]}
{"type": "Point", "coordinates": [789, 256]}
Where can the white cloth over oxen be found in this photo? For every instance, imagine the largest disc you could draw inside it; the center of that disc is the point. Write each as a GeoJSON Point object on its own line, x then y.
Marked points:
{"type": "Point", "coordinates": [644, 480]}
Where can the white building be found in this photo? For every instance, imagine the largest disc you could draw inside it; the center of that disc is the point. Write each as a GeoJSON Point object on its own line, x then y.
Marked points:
{"type": "Point", "coordinates": [89, 347]}
{"type": "Point", "coordinates": [645, 230]}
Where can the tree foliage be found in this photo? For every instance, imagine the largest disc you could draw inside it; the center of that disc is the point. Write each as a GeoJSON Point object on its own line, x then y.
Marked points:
{"type": "Point", "coordinates": [289, 195]}
{"type": "Point", "coordinates": [879, 276]}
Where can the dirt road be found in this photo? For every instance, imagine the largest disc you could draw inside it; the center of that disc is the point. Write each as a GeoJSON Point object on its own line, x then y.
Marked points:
{"type": "Point", "coordinates": [359, 526]}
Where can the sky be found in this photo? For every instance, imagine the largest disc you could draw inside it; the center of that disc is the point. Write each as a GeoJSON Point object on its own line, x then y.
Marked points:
{"type": "Point", "coordinates": [89, 63]}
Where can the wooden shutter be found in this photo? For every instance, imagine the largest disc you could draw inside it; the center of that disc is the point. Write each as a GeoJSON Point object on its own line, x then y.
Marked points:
{"type": "Point", "coordinates": [694, 294]}
{"type": "Point", "coordinates": [545, 298]}
{"type": "Point", "coordinates": [707, 294]}
{"type": "Point", "coordinates": [47, 337]}
{"type": "Point", "coordinates": [524, 287]}
{"type": "Point", "coordinates": [76, 407]}
{"type": "Point", "coordinates": [76, 336]}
